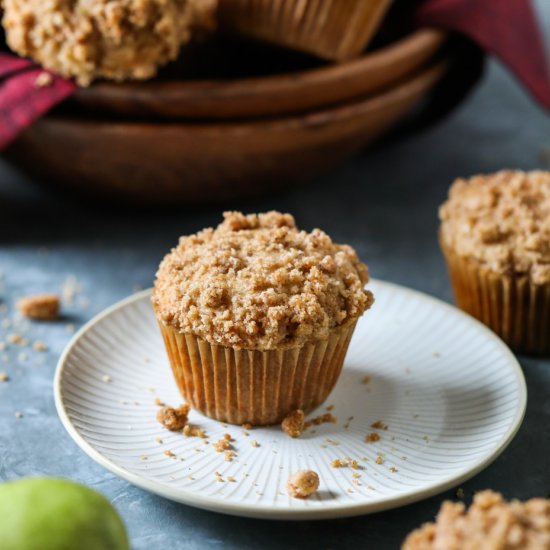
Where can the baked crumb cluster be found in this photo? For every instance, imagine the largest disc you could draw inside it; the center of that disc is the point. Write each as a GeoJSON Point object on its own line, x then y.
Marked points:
{"type": "Point", "coordinates": [501, 220]}
{"type": "Point", "coordinates": [294, 423]}
{"type": "Point", "coordinates": [302, 484]}
{"type": "Point", "coordinates": [257, 282]}
{"type": "Point", "coordinates": [490, 523]}
{"type": "Point", "coordinates": [41, 307]}
{"type": "Point", "coordinates": [115, 39]}
{"type": "Point", "coordinates": [174, 419]}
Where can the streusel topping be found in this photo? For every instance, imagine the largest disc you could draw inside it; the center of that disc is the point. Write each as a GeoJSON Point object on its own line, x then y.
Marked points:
{"type": "Point", "coordinates": [490, 523]}
{"type": "Point", "coordinates": [257, 282]}
{"type": "Point", "coordinates": [502, 220]}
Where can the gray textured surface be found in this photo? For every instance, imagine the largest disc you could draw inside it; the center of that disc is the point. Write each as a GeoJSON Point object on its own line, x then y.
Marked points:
{"type": "Point", "coordinates": [384, 204]}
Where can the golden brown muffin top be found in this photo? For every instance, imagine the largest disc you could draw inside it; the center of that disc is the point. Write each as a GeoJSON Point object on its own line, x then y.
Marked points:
{"type": "Point", "coordinates": [501, 220]}
{"type": "Point", "coordinates": [490, 523]}
{"type": "Point", "coordinates": [257, 282]}
{"type": "Point", "coordinates": [114, 39]}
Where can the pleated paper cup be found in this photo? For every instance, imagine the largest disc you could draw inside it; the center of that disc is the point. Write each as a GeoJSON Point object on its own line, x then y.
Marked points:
{"type": "Point", "coordinates": [510, 305]}
{"type": "Point", "coordinates": [332, 29]}
{"type": "Point", "coordinates": [252, 386]}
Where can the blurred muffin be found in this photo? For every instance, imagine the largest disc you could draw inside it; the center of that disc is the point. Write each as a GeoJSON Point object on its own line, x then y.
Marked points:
{"type": "Point", "coordinates": [490, 523]}
{"type": "Point", "coordinates": [331, 29]}
{"type": "Point", "coordinates": [495, 235]}
{"type": "Point", "coordinates": [127, 39]}
{"type": "Point", "coordinates": [257, 316]}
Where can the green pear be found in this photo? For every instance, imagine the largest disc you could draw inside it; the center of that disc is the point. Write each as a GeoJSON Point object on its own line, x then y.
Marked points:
{"type": "Point", "coordinates": [57, 514]}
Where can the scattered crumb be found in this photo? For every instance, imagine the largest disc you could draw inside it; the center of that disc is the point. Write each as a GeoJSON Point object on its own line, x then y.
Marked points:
{"type": "Point", "coordinates": [348, 422]}
{"type": "Point", "coordinates": [18, 414]}
{"type": "Point", "coordinates": [372, 437]}
{"type": "Point", "coordinates": [4, 377]}
{"type": "Point", "coordinates": [222, 445]}
{"type": "Point", "coordinates": [247, 426]}
{"type": "Point", "coordinates": [169, 453]}
{"type": "Point", "coordinates": [40, 346]}
{"type": "Point", "coordinates": [293, 424]}
{"type": "Point", "coordinates": [227, 437]}
{"type": "Point", "coordinates": [321, 419]}
{"type": "Point", "coordinates": [345, 463]}
{"type": "Point", "coordinates": [228, 456]}
{"type": "Point", "coordinates": [379, 425]}
{"type": "Point", "coordinates": [43, 80]}
{"type": "Point", "coordinates": [143, 457]}
{"type": "Point", "coordinates": [106, 378]}
{"type": "Point", "coordinates": [356, 475]}
{"type": "Point", "coordinates": [393, 469]}
{"type": "Point", "coordinates": [366, 380]}
{"type": "Point", "coordinates": [173, 419]}
{"type": "Point", "coordinates": [42, 307]}
{"type": "Point", "coordinates": [159, 402]}
{"type": "Point", "coordinates": [70, 288]}
{"type": "Point", "coordinates": [302, 484]}
{"type": "Point", "coordinates": [254, 443]}
{"type": "Point", "coordinates": [190, 430]}
{"type": "Point", "coordinates": [460, 493]}
{"type": "Point", "coordinates": [16, 339]}
{"type": "Point", "coordinates": [436, 354]}
{"type": "Point", "coordinates": [158, 440]}
{"type": "Point", "coordinates": [379, 459]}
{"type": "Point", "coordinates": [349, 490]}
{"type": "Point", "coordinates": [231, 479]}
{"type": "Point", "coordinates": [330, 408]}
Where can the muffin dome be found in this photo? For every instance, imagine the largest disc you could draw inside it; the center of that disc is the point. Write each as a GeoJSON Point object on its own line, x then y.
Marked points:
{"type": "Point", "coordinates": [258, 282]}
{"type": "Point", "coordinates": [503, 221]}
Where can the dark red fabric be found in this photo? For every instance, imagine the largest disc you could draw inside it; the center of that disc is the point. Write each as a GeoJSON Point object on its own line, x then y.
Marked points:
{"type": "Point", "coordinates": [506, 28]}
{"type": "Point", "coordinates": [22, 99]}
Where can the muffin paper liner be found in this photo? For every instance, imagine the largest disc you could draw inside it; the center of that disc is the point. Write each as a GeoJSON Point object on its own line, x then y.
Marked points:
{"type": "Point", "coordinates": [251, 386]}
{"type": "Point", "coordinates": [510, 305]}
{"type": "Point", "coordinates": [333, 29]}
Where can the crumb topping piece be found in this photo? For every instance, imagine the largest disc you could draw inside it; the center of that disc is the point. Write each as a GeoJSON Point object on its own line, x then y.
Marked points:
{"type": "Point", "coordinates": [173, 419]}
{"type": "Point", "coordinates": [258, 282]}
{"type": "Point", "coordinates": [372, 437]}
{"type": "Point", "coordinates": [501, 220]}
{"type": "Point", "coordinates": [42, 307]}
{"type": "Point", "coordinates": [294, 423]}
{"type": "Point", "coordinates": [489, 523]}
{"type": "Point", "coordinates": [302, 484]}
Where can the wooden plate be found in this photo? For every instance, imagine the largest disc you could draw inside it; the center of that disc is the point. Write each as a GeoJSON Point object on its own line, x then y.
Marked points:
{"type": "Point", "coordinates": [189, 162]}
{"type": "Point", "coordinates": [291, 92]}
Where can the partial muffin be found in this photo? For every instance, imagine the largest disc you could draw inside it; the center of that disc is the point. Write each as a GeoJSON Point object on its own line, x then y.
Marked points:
{"type": "Point", "coordinates": [257, 316]}
{"type": "Point", "coordinates": [331, 29]}
{"type": "Point", "coordinates": [112, 39]}
{"type": "Point", "coordinates": [490, 523]}
{"type": "Point", "coordinates": [495, 235]}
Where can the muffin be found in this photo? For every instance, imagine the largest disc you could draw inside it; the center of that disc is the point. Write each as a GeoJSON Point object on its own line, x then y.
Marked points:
{"type": "Point", "coordinates": [490, 523]}
{"type": "Point", "coordinates": [495, 235]}
{"type": "Point", "coordinates": [257, 316]}
{"type": "Point", "coordinates": [331, 29]}
{"type": "Point", "coordinates": [89, 39]}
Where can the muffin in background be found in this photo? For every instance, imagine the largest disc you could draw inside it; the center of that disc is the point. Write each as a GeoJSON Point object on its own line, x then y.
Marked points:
{"type": "Point", "coordinates": [331, 29]}
{"type": "Point", "coordinates": [495, 235]}
{"type": "Point", "coordinates": [490, 523]}
{"type": "Point", "coordinates": [257, 316]}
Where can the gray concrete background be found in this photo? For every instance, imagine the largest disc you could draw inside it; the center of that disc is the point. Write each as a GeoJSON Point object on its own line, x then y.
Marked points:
{"type": "Point", "coordinates": [384, 203]}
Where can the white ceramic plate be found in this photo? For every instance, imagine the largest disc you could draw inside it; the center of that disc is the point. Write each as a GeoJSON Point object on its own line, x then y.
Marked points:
{"type": "Point", "coordinates": [450, 392]}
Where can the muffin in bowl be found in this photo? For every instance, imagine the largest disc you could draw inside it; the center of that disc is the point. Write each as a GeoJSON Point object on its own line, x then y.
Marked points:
{"type": "Point", "coordinates": [495, 235]}
{"type": "Point", "coordinates": [257, 316]}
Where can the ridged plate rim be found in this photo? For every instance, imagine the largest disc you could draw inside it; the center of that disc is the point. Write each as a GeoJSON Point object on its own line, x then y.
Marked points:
{"type": "Point", "coordinates": [337, 510]}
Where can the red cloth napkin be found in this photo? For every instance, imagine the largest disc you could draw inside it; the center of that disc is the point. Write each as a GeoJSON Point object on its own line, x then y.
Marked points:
{"type": "Point", "coordinates": [505, 28]}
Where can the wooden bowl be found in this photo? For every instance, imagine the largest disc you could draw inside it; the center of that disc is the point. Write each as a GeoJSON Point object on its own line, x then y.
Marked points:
{"type": "Point", "coordinates": [173, 162]}
{"type": "Point", "coordinates": [293, 91]}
